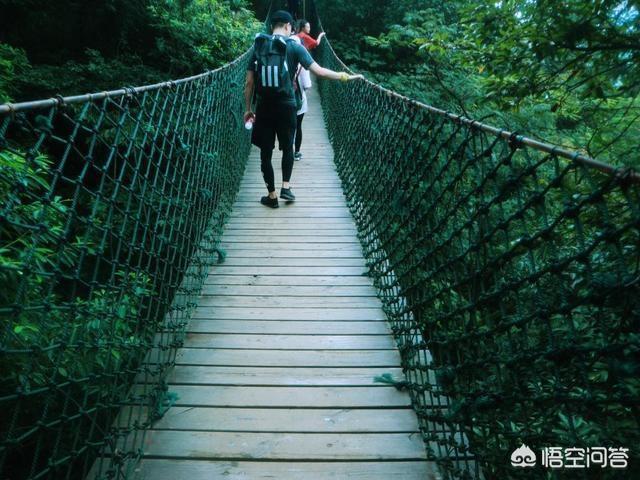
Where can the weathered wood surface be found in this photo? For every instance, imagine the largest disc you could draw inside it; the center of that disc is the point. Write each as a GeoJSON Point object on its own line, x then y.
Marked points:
{"type": "Point", "coordinates": [289, 342]}
{"type": "Point", "coordinates": [207, 470]}
{"type": "Point", "coordinates": [276, 377]}
{"type": "Point", "coordinates": [288, 358]}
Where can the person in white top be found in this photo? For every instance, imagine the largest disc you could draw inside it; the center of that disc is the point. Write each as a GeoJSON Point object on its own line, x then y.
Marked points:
{"type": "Point", "coordinates": [303, 79]}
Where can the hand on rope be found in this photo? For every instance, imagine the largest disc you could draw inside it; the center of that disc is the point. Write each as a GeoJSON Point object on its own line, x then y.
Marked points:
{"type": "Point", "coordinates": [345, 77]}
{"type": "Point", "coordinates": [333, 75]}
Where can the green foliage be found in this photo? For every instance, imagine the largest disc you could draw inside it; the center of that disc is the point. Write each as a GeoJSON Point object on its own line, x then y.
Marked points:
{"type": "Point", "coordinates": [78, 47]}
{"type": "Point", "coordinates": [567, 74]}
{"type": "Point", "coordinates": [199, 34]}
{"type": "Point", "coordinates": [13, 64]}
{"type": "Point", "coordinates": [99, 332]}
{"type": "Point", "coordinates": [520, 270]}
{"type": "Point", "coordinates": [94, 73]}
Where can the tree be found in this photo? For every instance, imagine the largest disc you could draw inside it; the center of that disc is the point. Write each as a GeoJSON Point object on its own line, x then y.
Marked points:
{"type": "Point", "coordinates": [566, 73]}
{"type": "Point", "coordinates": [77, 47]}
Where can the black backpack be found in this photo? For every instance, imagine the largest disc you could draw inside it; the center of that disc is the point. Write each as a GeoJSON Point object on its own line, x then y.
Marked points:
{"type": "Point", "coordinates": [273, 79]}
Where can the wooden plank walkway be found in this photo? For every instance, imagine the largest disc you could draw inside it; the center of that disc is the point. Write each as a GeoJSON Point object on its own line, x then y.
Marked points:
{"type": "Point", "coordinates": [276, 377]}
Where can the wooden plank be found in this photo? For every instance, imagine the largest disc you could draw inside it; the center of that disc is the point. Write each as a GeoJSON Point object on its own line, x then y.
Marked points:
{"type": "Point", "coordinates": [275, 226]}
{"type": "Point", "coordinates": [234, 260]}
{"type": "Point", "coordinates": [321, 165]}
{"type": "Point", "coordinates": [288, 328]}
{"type": "Point", "coordinates": [289, 342]}
{"type": "Point", "coordinates": [278, 420]}
{"type": "Point", "coordinates": [288, 358]}
{"type": "Point", "coordinates": [304, 190]}
{"type": "Point", "coordinates": [289, 446]}
{"type": "Point", "coordinates": [298, 222]}
{"type": "Point", "coordinates": [284, 230]}
{"type": "Point", "coordinates": [313, 271]}
{"type": "Point", "coordinates": [290, 313]}
{"type": "Point", "coordinates": [274, 252]}
{"type": "Point", "coordinates": [311, 160]}
{"type": "Point", "coordinates": [285, 397]}
{"type": "Point", "coordinates": [337, 201]}
{"type": "Point", "coordinates": [323, 162]}
{"type": "Point", "coordinates": [155, 469]}
{"type": "Point", "coordinates": [250, 229]}
{"type": "Point", "coordinates": [320, 162]}
{"type": "Point", "coordinates": [305, 171]}
{"type": "Point", "coordinates": [299, 187]}
{"type": "Point", "coordinates": [319, 158]}
{"type": "Point", "coordinates": [308, 192]}
{"type": "Point", "coordinates": [287, 301]}
{"type": "Point", "coordinates": [289, 210]}
{"type": "Point", "coordinates": [307, 176]}
{"type": "Point", "coordinates": [291, 291]}
{"type": "Point", "coordinates": [277, 376]}
{"type": "Point", "coordinates": [271, 226]}
{"type": "Point", "coordinates": [317, 154]}
{"type": "Point", "coordinates": [323, 156]}
{"type": "Point", "coordinates": [279, 238]}
{"type": "Point", "coordinates": [300, 182]}
{"type": "Point", "coordinates": [290, 246]}
{"type": "Point", "coordinates": [289, 280]}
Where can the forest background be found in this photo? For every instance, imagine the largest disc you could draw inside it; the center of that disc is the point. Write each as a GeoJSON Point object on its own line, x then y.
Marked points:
{"type": "Point", "coordinates": [564, 72]}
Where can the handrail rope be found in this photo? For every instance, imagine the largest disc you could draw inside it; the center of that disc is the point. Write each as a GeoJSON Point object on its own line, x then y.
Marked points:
{"type": "Point", "coordinates": [9, 108]}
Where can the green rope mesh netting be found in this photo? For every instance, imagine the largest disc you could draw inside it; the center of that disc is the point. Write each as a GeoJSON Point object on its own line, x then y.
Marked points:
{"type": "Point", "coordinates": [511, 278]}
{"type": "Point", "coordinates": [111, 214]}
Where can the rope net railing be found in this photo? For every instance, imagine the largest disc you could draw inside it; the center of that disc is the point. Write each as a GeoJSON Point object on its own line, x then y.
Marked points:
{"type": "Point", "coordinates": [111, 212]}
{"type": "Point", "coordinates": [510, 275]}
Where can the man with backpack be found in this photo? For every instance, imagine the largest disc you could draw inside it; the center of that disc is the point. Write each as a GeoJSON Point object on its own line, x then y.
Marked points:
{"type": "Point", "coordinates": [271, 71]}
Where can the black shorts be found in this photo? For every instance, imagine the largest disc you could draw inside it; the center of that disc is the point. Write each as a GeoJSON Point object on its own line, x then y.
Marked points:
{"type": "Point", "coordinates": [272, 121]}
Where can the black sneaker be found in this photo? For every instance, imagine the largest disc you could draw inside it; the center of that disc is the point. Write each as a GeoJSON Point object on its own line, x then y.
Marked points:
{"type": "Point", "coordinates": [287, 194]}
{"type": "Point", "coordinates": [297, 156]}
{"type": "Point", "coordinates": [269, 202]}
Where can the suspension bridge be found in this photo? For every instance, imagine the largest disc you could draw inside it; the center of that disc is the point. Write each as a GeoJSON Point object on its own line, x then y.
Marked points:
{"type": "Point", "coordinates": [441, 292]}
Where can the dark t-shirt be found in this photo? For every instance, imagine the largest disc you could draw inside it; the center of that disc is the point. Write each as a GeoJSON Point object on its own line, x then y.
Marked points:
{"type": "Point", "coordinates": [296, 54]}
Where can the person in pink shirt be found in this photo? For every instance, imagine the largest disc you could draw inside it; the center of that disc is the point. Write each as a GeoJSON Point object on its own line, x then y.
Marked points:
{"type": "Point", "coordinates": [304, 30]}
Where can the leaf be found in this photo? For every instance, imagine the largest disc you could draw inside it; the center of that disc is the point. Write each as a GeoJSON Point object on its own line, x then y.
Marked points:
{"type": "Point", "coordinates": [388, 379]}
{"type": "Point", "coordinates": [222, 255]}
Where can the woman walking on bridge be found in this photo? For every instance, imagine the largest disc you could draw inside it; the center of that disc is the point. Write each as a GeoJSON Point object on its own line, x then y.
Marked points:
{"type": "Point", "coordinates": [304, 79]}
{"type": "Point", "coordinates": [271, 71]}
{"type": "Point", "coordinates": [304, 34]}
